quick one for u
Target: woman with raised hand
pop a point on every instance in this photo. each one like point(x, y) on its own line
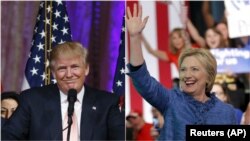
point(190, 104)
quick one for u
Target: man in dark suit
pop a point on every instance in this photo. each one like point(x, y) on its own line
point(42, 110)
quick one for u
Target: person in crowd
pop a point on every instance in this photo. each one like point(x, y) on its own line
point(176, 82)
point(239, 42)
point(215, 16)
point(235, 88)
point(193, 103)
point(246, 116)
point(140, 128)
point(243, 42)
point(223, 29)
point(221, 93)
point(42, 113)
point(129, 131)
point(212, 38)
point(9, 103)
point(213, 12)
point(158, 121)
point(178, 40)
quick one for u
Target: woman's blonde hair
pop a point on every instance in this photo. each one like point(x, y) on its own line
point(206, 59)
point(183, 34)
point(68, 49)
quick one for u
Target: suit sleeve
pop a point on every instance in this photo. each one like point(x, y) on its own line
point(116, 121)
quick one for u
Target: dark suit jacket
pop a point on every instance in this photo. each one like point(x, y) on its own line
point(3, 120)
point(38, 116)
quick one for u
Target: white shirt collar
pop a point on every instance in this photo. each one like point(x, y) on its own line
point(80, 95)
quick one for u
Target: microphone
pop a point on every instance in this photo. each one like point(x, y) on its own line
point(71, 99)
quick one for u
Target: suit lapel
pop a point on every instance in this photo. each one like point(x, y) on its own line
point(88, 114)
point(54, 105)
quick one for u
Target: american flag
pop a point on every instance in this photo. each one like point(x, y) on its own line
point(119, 79)
point(52, 28)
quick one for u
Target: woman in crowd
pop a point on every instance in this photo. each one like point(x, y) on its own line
point(158, 121)
point(178, 40)
point(9, 103)
point(212, 38)
point(220, 92)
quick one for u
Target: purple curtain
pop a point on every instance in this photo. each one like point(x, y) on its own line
point(97, 25)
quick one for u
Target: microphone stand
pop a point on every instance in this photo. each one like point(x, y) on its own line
point(69, 126)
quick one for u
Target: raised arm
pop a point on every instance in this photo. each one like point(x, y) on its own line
point(157, 53)
point(206, 12)
point(190, 27)
point(195, 34)
point(135, 25)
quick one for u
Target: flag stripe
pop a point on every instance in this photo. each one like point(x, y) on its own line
point(150, 33)
point(163, 43)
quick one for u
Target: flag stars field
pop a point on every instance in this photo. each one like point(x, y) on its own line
point(119, 83)
point(35, 30)
point(64, 30)
point(66, 18)
point(44, 76)
point(122, 71)
point(59, 2)
point(54, 26)
point(47, 21)
point(34, 71)
point(53, 38)
point(61, 42)
point(57, 14)
point(41, 5)
point(49, 9)
point(54, 81)
point(37, 59)
point(42, 34)
point(40, 46)
point(38, 17)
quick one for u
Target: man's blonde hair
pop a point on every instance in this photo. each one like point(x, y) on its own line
point(68, 49)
